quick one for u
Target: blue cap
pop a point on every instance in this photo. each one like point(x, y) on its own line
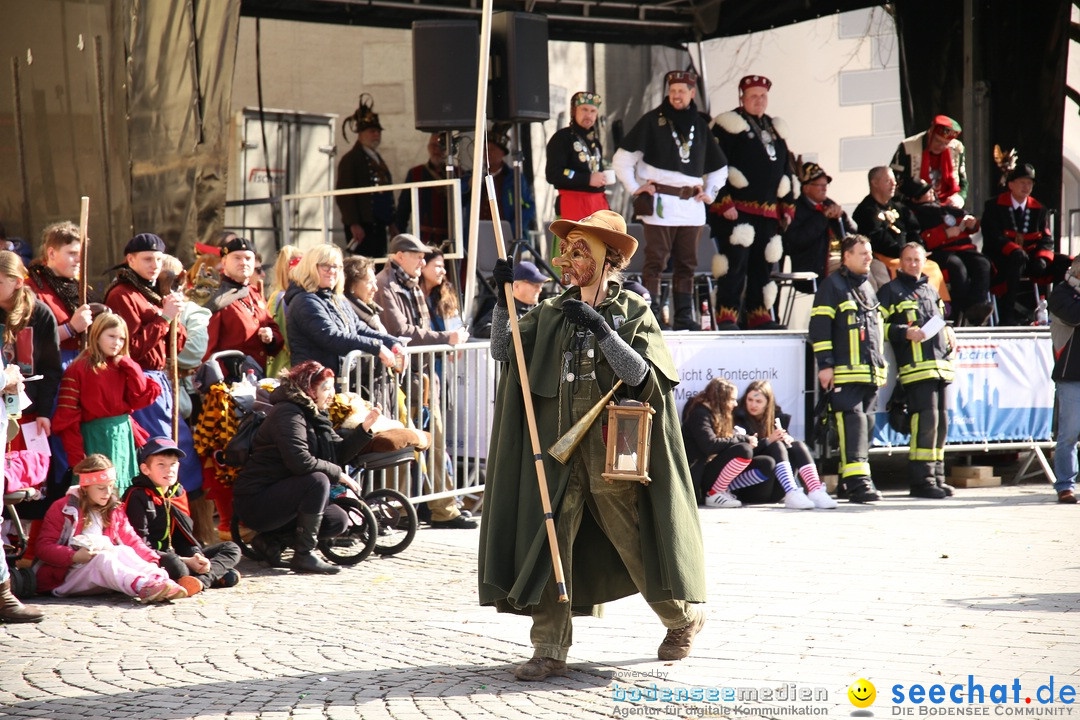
point(157, 446)
point(525, 270)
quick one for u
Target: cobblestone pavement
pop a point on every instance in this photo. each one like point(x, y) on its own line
point(907, 592)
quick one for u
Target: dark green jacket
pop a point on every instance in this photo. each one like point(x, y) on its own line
point(514, 559)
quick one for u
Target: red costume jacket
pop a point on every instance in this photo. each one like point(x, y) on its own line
point(1001, 236)
point(236, 321)
point(934, 219)
point(87, 395)
point(62, 522)
point(58, 307)
point(148, 330)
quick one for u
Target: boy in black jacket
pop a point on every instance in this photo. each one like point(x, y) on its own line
point(157, 508)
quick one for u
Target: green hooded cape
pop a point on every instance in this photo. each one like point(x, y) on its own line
point(514, 559)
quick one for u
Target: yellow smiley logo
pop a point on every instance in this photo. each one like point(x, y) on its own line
point(862, 693)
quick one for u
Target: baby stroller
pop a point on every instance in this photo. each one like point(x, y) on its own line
point(394, 512)
point(227, 383)
point(24, 473)
point(383, 521)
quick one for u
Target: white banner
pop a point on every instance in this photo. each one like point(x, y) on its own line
point(780, 359)
point(1002, 391)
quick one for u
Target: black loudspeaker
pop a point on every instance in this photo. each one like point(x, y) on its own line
point(519, 57)
point(446, 59)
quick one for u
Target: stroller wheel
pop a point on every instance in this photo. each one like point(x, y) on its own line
point(396, 518)
point(261, 547)
point(358, 540)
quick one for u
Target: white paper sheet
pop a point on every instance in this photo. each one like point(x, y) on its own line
point(35, 439)
point(933, 326)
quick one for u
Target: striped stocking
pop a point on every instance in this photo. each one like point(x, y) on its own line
point(729, 473)
point(810, 478)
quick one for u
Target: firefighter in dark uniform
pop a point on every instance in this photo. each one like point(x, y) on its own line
point(847, 336)
point(753, 208)
point(1017, 239)
point(924, 368)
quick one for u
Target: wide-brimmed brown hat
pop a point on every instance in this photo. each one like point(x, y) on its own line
point(607, 226)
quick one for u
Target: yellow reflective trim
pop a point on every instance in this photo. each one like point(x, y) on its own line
point(854, 469)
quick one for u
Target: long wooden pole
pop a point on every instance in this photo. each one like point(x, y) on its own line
point(84, 254)
point(479, 153)
point(174, 378)
point(84, 245)
point(526, 392)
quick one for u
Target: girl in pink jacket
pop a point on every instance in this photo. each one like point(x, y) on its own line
point(87, 546)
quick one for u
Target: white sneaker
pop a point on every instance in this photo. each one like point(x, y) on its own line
point(722, 499)
point(797, 500)
point(821, 499)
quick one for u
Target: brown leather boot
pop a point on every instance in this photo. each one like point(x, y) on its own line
point(13, 611)
point(677, 642)
point(540, 668)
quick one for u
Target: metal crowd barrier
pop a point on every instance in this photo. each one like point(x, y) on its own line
point(449, 391)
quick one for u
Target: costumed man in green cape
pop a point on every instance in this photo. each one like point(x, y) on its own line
point(615, 538)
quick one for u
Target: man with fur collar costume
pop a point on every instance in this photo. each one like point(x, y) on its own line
point(752, 209)
point(1017, 239)
point(615, 538)
point(672, 165)
point(936, 157)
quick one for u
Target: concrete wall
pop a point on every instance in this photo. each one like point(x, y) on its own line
point(317, 68)
point(836, 83)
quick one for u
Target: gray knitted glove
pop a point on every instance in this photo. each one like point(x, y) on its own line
point(624, 360)
point(500, 335)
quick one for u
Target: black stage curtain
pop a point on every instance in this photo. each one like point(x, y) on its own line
point(1020, 62)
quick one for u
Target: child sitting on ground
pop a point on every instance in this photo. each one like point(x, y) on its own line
point(157, 508)
point(87, 546)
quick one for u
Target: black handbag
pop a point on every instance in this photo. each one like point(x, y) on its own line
point(899, 412)
point(823, 431)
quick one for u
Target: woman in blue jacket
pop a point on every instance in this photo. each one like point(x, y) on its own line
point(319, 322)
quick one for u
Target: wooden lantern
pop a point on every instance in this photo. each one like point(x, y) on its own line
point(629, 429)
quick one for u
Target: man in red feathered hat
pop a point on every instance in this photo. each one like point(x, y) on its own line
point(935, 156)
point(1017, 239)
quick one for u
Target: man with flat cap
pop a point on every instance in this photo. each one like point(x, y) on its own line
point(134, 296)
point(752, 210)
point(611, 538)
point(672, 165)
point(368, 218)
point(575, 161)
point(1017, 240)
point(935, 156)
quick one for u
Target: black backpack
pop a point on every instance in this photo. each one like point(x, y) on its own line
point(238, 449)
